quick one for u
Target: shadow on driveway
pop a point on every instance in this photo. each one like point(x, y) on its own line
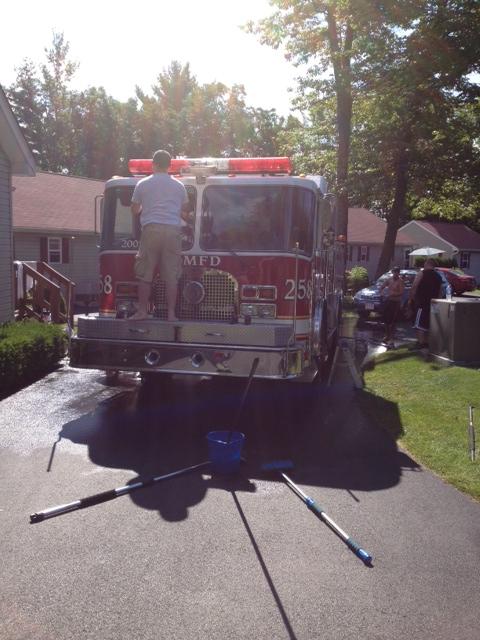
point(156, 430)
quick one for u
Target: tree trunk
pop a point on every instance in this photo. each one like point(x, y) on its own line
point(344, 120)
point(341, 53)
point(396, 212)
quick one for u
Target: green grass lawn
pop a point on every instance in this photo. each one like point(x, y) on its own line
point(425, 406)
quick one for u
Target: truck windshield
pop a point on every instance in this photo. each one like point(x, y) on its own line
point(257, 218)
point(121, 230)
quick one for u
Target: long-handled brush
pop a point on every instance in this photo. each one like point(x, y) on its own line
point(104, 496)
point(236, 421)
point(225, 446)
point(318, 511)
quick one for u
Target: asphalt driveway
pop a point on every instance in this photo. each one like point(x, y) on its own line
point(205, 556)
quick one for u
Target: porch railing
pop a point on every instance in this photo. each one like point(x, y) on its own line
point(41, 291)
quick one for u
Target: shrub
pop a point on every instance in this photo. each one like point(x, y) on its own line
point(441, 262)
point(357, 278)
point(28, 350)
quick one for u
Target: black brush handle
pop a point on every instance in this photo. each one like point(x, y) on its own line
point(244, 397)
point(105, 496)
point(89, 501)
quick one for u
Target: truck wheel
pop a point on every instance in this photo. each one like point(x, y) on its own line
point(153, 380)
point(327, 365)
point(111, 376)
point(324, 361)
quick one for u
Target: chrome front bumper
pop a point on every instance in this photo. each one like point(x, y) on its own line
point(193, 359)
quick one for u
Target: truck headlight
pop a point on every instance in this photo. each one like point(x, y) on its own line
point(125, 308)
point(258, 310)
point(259, 292)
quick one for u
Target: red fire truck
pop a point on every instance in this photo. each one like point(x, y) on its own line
point(263, 269)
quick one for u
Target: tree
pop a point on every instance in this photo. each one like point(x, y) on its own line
point(129, 134)
point(335, 36)
point(430, 82)
point(402, 86)
point(190, 119)
point(164, 115)
point(56, 75)
point(266, 127)
point(90, 133)
point(206, 120)
point(25, 98)
point(237, 127)
point(42, 102)
point(449, 189)
point(96, 125)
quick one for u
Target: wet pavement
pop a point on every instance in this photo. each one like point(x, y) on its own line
point(368, 335)
point(208, 556)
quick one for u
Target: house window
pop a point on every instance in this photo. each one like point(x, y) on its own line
point(363, 253)
point(350, 253)
point(464, 260)
point(406, 258)
point(54, 250)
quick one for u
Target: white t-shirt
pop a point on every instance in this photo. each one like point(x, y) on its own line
point(161, 197)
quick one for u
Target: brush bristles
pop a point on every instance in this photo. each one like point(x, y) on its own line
point(277, 465)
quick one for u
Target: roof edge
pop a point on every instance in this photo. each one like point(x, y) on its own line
point(14, 144)
point(437, 235)
point(69, 175)
point(54, 231)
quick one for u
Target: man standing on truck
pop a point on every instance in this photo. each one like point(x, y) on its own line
point(161, 201)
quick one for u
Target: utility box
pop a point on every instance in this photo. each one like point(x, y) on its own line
point(455, 330)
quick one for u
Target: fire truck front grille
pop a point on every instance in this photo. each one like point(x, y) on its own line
point(219, 303)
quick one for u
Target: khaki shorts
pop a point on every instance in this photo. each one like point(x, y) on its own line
point(159, 244)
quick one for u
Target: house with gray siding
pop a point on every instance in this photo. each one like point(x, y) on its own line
point(15, 159)
point(454, 239)
point(366, 235)
point(54, 222)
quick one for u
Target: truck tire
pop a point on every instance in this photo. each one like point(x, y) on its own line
point(111, 376)
point(155, 380)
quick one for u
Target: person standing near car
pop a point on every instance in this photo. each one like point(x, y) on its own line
point(394, 287)
point(427, 285)
point(161, 201)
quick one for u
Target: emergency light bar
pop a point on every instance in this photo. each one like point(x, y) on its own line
point(221, 165)
point(144, 167)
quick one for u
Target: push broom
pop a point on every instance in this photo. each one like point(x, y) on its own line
point(318, 511)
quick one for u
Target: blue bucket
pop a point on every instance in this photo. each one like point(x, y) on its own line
point(224, 450)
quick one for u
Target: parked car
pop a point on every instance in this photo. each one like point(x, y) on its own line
point(370, 301)
point(460, 282)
